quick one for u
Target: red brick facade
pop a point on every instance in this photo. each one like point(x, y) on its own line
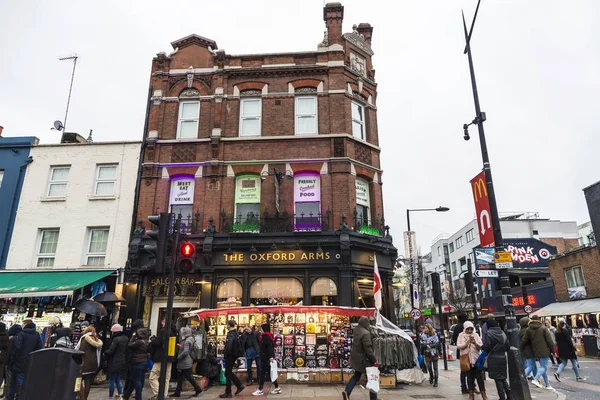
point(589, 260)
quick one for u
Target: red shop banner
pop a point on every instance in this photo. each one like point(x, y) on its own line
point(347, 311)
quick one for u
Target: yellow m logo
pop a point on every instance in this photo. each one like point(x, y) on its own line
point(479, 187)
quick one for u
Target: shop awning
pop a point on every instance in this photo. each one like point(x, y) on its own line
point(570, 308)
point(46, 283)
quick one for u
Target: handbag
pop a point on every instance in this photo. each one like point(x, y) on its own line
point(465, 363)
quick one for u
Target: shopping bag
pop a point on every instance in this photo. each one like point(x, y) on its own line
point(465, 364)
point(421, 360)
point(479, 364)
point(273, 365)
point(373, 379)
point(222, 379)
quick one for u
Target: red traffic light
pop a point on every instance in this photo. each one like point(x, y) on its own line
point(187, 249)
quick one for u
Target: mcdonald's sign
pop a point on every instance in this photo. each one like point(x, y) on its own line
point(482, 209)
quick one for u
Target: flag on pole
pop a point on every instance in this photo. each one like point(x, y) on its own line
point(377, 285)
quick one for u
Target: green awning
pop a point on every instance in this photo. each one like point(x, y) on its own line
point(46, 283)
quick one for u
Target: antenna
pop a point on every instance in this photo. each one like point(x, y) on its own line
point(74, 57)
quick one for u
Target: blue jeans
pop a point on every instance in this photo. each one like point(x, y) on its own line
point(542, 370)
point(353, 381)
point(563, 364)
point(251, 355)
point(114, 379)
point(530, 366)
point(15, 385)
point(136, 373)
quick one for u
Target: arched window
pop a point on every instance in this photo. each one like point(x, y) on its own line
point(271, 291)
point(229, 288)
point(323, 292)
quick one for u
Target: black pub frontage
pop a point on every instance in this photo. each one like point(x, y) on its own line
point(333, 268)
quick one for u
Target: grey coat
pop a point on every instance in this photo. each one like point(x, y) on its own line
point(496, 342)
point(184, 359)
point(362, 355)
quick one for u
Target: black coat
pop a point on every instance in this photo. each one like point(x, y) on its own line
point(209, 367)
point(116, 354)
point(26, 342)
point(249, 340)
point(233, 347)
point(156, 349)
point(3, 343)
point(361, 355)
point(497, 341)
point(566, 349)
point(267, 348)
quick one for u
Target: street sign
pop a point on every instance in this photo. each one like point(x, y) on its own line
point(502, 257)
point(528, 309)
point(415, 314)
point(485, 273)
point(504, 265)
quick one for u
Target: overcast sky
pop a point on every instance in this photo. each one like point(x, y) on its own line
point(536, 61)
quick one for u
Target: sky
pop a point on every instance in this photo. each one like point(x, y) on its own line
point(536, 64)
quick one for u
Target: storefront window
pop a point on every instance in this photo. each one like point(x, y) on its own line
point(323, 292)
point(307, 201)
point(247, 204)
point(273, 291)
point(228, 289)
point(181, 201)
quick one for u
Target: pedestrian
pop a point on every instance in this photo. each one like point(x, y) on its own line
point(138, 362)
point(116, 356)
point(25, 343)
point(251, 346)
point(157, 349)
point(13, 332)
point(496, 345)
point(568, 327)
point(361, 356)
point(566, 351)
point(91, 345)
point(209, 367)
point(3, 354)
point(233, 351)
point(469, 343)
point(541, 343)
point(484, 327)
point(185, 362)
point(527, 350)
point(430, 344)
point(462, 318)
point(552, 330)
point(267, 355)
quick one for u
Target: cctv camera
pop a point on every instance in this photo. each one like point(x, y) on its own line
point(466, 131)
point(262, 179)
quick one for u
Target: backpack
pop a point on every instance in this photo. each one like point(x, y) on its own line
point(239, 349)
point(195, 351)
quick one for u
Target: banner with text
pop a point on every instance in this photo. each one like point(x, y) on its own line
point(482, 209)
point(182, 191)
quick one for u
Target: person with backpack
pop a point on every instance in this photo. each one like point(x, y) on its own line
point(233, 351)
point(116, 356)
point(185, 360)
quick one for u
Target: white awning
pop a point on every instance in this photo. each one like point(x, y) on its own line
point(570, 308)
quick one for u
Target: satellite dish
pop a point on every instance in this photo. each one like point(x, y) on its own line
point(58, 126)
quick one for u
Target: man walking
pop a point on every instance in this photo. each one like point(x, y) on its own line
point(3, 352)
point(361, 356)
point(251, 346)
point(542, 344)
point(233, 350)
point(25, 343)
point(157, 349)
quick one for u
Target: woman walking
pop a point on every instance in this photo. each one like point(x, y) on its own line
point(91, 346)
point(469, 343)
point(566, 351)
point(116, 356)
point(361, 356)
point(496, 345)
point(138, 362)
point(185, 362)
point(267, 354)
point(430, 349)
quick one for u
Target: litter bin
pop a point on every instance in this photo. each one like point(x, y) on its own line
point(590, 345)
point(53, 374)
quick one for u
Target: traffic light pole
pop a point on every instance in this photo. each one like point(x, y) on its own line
point(167, 330)
point(473, 295)
point(518, 381)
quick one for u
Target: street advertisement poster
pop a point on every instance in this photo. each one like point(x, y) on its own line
point(182, 191)
point(247, 190)
point(482, 208)
point(529, 252)
point(362, 192)
point(484, 257)
point(307, 187)
point(576, 293)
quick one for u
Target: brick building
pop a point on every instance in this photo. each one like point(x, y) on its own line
point(273, 161)
point(575, 273)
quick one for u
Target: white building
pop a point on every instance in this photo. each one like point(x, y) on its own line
point(76, 207)
point(586, 234)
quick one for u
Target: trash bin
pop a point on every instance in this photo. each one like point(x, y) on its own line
point(53, 374)
point(590, 345)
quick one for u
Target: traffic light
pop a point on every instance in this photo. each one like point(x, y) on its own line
point(437, 290)
point(187, 258)
point(469, 282)
point(160, 235)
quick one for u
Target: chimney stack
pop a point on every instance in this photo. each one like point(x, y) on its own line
point(366, 30)
point(333, 15)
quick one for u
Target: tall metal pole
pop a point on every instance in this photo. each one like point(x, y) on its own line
point(74, 58)
point(473, 295)
point(412, 280)
point(518, 381)
point(443, 324)
point(167, 330)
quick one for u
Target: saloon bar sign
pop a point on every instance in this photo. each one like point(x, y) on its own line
point(182, 191)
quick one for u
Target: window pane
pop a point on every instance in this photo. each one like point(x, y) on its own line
point(57, 190)
point(307, 124)
point(229, 288)
point(244, 211)
point(578, 276)
point(250, 108)
point(307, 209)
point(267, 291)
point(95, 260)
point(188, 129)
point(49, 241)
point(357, 130)
point(323, 287)
point(189, 110)
point(45, 262)
point(105, 188)
point(251, 127)
point(357, 112)
point(98, 240)
point(362, 214)
point(60, 174)
point(569, 276)
point(107, 172)
point(306, 105)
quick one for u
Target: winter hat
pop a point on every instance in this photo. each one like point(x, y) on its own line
point(266, 327)
point(85, 324)
point(491, 323)
point(116, 328)
point(535, 317)
point(429, 321)
point(467, 325)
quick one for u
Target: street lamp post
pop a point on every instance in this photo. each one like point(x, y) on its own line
point(442, 319)
point(412, 261)
point(518, 381)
